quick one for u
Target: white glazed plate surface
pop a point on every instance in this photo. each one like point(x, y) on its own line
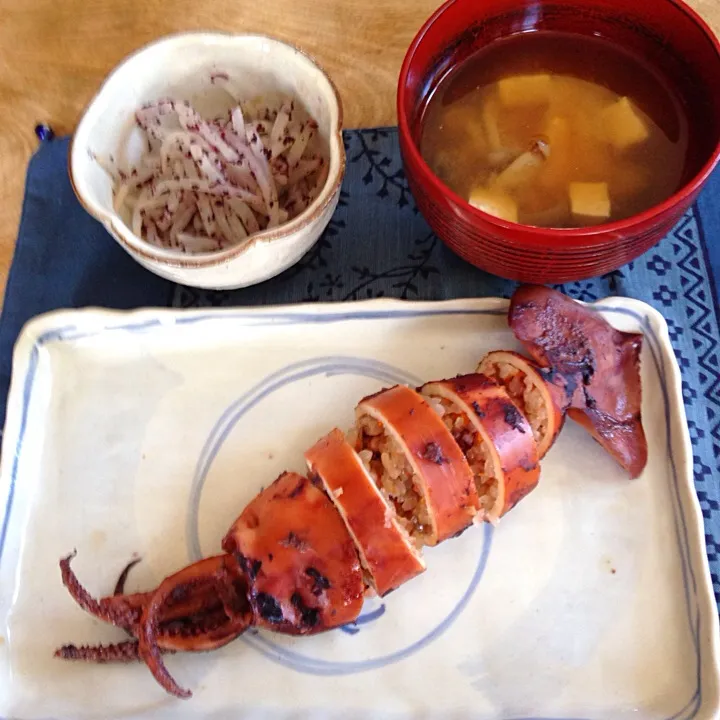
point(149, 432)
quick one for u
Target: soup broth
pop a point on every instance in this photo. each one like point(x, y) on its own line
point(556, 130)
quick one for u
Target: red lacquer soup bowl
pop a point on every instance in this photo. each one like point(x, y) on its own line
point(667, 34)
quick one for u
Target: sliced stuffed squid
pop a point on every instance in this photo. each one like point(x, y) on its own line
point(495, 436)
point(418, 467)
point(536, 398)
point(416, 463)
point(302, 565)
point(386, 550)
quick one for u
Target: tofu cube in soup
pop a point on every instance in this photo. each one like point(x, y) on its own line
point(550, 129)
point(524, 90)
point(590, 200)
point(495, 202)
point(490, 124)
point(623, 127)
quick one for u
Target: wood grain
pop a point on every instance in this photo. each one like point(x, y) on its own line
point(54, 55)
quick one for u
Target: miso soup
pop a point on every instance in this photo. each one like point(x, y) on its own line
point(556, 130)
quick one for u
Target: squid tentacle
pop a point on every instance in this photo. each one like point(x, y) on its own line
point(148, 648)
point(120, 584)
point(230, 617)
point(119, 612)
point(126, 651)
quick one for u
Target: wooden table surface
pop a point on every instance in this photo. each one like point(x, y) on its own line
point(55, 53)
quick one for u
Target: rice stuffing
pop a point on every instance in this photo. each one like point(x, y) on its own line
point(524, 393)
point(473, 447)
point(388, 466)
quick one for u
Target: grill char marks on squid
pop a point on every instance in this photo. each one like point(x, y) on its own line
point(595, 366)
point(540, 401)
point(293, 535)
point(496, 437)
point(386, 550)
point(417, 463)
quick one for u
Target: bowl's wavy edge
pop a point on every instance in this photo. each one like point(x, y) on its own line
point(207, 260)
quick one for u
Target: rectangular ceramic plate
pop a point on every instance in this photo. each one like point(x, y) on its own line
point(149, 432)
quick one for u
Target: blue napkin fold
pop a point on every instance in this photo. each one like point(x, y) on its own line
point(376, 244)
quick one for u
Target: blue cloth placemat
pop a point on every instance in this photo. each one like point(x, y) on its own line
point(376, 244)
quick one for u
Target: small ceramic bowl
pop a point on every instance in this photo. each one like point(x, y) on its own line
point(671, 38)
point(182, 67)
